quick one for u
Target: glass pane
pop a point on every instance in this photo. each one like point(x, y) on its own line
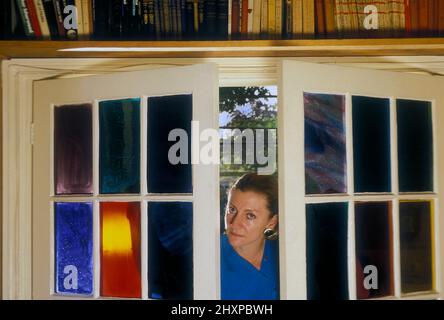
point(374, 255)
point(325, 150)
point(371, 144)
point(120, 249)
point(119, 146)
point(73, 149)
point(73, 227)
point(164, 115)
point(170, 250)
point(416, 235)
point(415, 146)
point(327, 251)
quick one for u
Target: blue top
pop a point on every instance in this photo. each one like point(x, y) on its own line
point(242, 281)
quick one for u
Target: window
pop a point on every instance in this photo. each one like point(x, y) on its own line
point(113, 217)
point(358, 152)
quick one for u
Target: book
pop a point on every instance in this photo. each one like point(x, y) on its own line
point(320, 18)
point(308, 10)
point(189, 16)
point(235, 18)
point(441, 18)
point(330, 18)
point(51, 18)
point(32, 11)
point(279, 8)
point(210, 18)
point(298, 21)
point(264, 18)
point(43, 22)
point(222, 19)
point(256, 24)
point(58, 10)
point(250, 10)
point(244, 18)
point(26, 21)
point(288, 22)
point(271, 17)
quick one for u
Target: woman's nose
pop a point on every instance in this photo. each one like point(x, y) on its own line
point(234, 219)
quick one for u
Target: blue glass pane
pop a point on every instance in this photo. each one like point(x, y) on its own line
point(119, 167)
point(415, 146)
point(164, 115)
point(326, 241)
point(74, 248)
point(371, 144)
point(325, 150)
point(170, 250)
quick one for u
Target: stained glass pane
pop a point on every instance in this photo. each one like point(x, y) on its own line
point(119, 155)
point(416, 235)
point(170, 251)
point(73, 149)
point(374, 256)
point(326, 243)
point(325, 150)
point(415, 146)
point(165, 174)
point(371, 144)
point(120, 262)
point(73, 228)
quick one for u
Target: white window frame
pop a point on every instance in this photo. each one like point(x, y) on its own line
point(17, 85)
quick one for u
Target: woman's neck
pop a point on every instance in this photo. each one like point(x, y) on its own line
point(252, 253)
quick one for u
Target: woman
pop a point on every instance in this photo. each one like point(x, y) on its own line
point(249, 260)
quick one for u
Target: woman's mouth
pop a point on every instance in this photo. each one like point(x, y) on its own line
point(234, 234)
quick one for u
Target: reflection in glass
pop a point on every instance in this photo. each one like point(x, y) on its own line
point(164, 115)
point(325, 150)
point(415, 146)
point(326, 241)
point(120, 250)
point(73, 227)
point(170, 250)
point(373, 233)
point(119, 157)
point(416, 235)
point(73, 149)
point(371, 144)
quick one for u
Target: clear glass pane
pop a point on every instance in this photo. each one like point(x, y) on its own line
point(325, 147)
point(170, 250)
point(73, 149)
point(73, 227)
point(120, 263)
point(119, 157)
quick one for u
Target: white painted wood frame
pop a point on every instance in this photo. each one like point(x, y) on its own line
point(300, 77)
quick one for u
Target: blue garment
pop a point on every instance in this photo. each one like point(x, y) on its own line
point(242, 281)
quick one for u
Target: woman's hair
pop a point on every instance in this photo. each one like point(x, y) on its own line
point(262, 184)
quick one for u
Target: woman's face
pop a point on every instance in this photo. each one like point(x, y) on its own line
point(246, 218)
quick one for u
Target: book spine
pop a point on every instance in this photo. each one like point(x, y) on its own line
point(189, 15)
point(51, 18)
point(250, 10)
point(59, 17)
point(210, 20)
point(423, 19)
point(44, 27)
point(196, 16)
point(297, 18)
point(230, 10)
point(257, 9)
point(201, 9)
point(173, 17)
point(271, 17)
point(85, 16)
point(158, 18)
point(222, 18)
point(309, 17)
point(264, 18)
point(5, 19)
point(235, 18)
point(80, 23)
point(441, 18)
point(320, 18)
point(33, 17)
point(24, 14)
point(330, 17)
point(183, 17)
point(287, 19)
point(279, 18)
point(151, 18)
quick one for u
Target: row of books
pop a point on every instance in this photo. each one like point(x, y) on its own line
point(219, 19)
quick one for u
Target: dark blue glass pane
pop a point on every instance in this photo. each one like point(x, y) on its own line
point(73, 149)
point(327, 276)
point(73, 227)
point(371, 144)
point(325, 150)
point(164, 115)
point(415, 146)
point(119, 146)
point(170, 250)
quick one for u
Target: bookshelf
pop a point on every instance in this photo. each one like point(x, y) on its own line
point(222, 49)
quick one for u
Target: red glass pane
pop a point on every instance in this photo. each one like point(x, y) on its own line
point(120, 249)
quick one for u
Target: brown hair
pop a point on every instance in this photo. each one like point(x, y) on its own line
point(263, 184)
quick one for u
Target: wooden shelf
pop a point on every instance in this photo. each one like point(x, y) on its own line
point(238, 48)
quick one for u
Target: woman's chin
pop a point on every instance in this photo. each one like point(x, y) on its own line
point(235, 241)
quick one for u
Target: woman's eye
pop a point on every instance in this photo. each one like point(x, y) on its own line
point(250, 216)
point(231, 210)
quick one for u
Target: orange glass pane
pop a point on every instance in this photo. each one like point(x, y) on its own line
point(120, 249)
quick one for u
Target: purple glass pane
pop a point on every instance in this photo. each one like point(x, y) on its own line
point(73, 149)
